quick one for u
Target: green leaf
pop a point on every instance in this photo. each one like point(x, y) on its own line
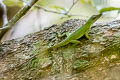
point(82, 1)
point(58, 8)
point(13, 3)
point(44, 2)
point(86, 1)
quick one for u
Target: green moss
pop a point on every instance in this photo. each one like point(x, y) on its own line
point(109, 55)
point(81, 65)
point(13, 3)
point(36, 47)
point(44, 2)
point(34, 63)
point(39, 60)
point(112, 50)
point(68, 53)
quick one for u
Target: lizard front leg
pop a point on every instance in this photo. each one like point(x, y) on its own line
point(64, 34)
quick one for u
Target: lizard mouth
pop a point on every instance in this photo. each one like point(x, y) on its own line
point(95, 17)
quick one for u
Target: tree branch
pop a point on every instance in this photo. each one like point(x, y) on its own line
point(21, 13)
point(74, 2)
point(46, 10)
point(5, 19)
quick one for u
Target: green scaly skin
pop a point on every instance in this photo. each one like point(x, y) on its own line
point(108, 9)
point(84, 29)
point(79, 32)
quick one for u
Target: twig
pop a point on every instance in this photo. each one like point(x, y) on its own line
point(74, 2)
point(5, 19)
point(20, 14)
point(46, 10)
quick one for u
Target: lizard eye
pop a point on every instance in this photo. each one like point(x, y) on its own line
point(94, 16)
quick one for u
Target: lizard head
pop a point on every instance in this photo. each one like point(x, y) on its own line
point(95, 17)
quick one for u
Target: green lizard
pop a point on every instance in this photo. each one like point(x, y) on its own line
point(84, 29)
point(79, 32)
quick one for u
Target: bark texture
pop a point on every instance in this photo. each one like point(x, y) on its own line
point(94, 59)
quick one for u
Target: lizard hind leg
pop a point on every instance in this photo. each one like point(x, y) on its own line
point(86, 35)
point(75, 42)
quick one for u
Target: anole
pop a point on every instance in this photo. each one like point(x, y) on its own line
point(84, 29)
point(79, 32)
